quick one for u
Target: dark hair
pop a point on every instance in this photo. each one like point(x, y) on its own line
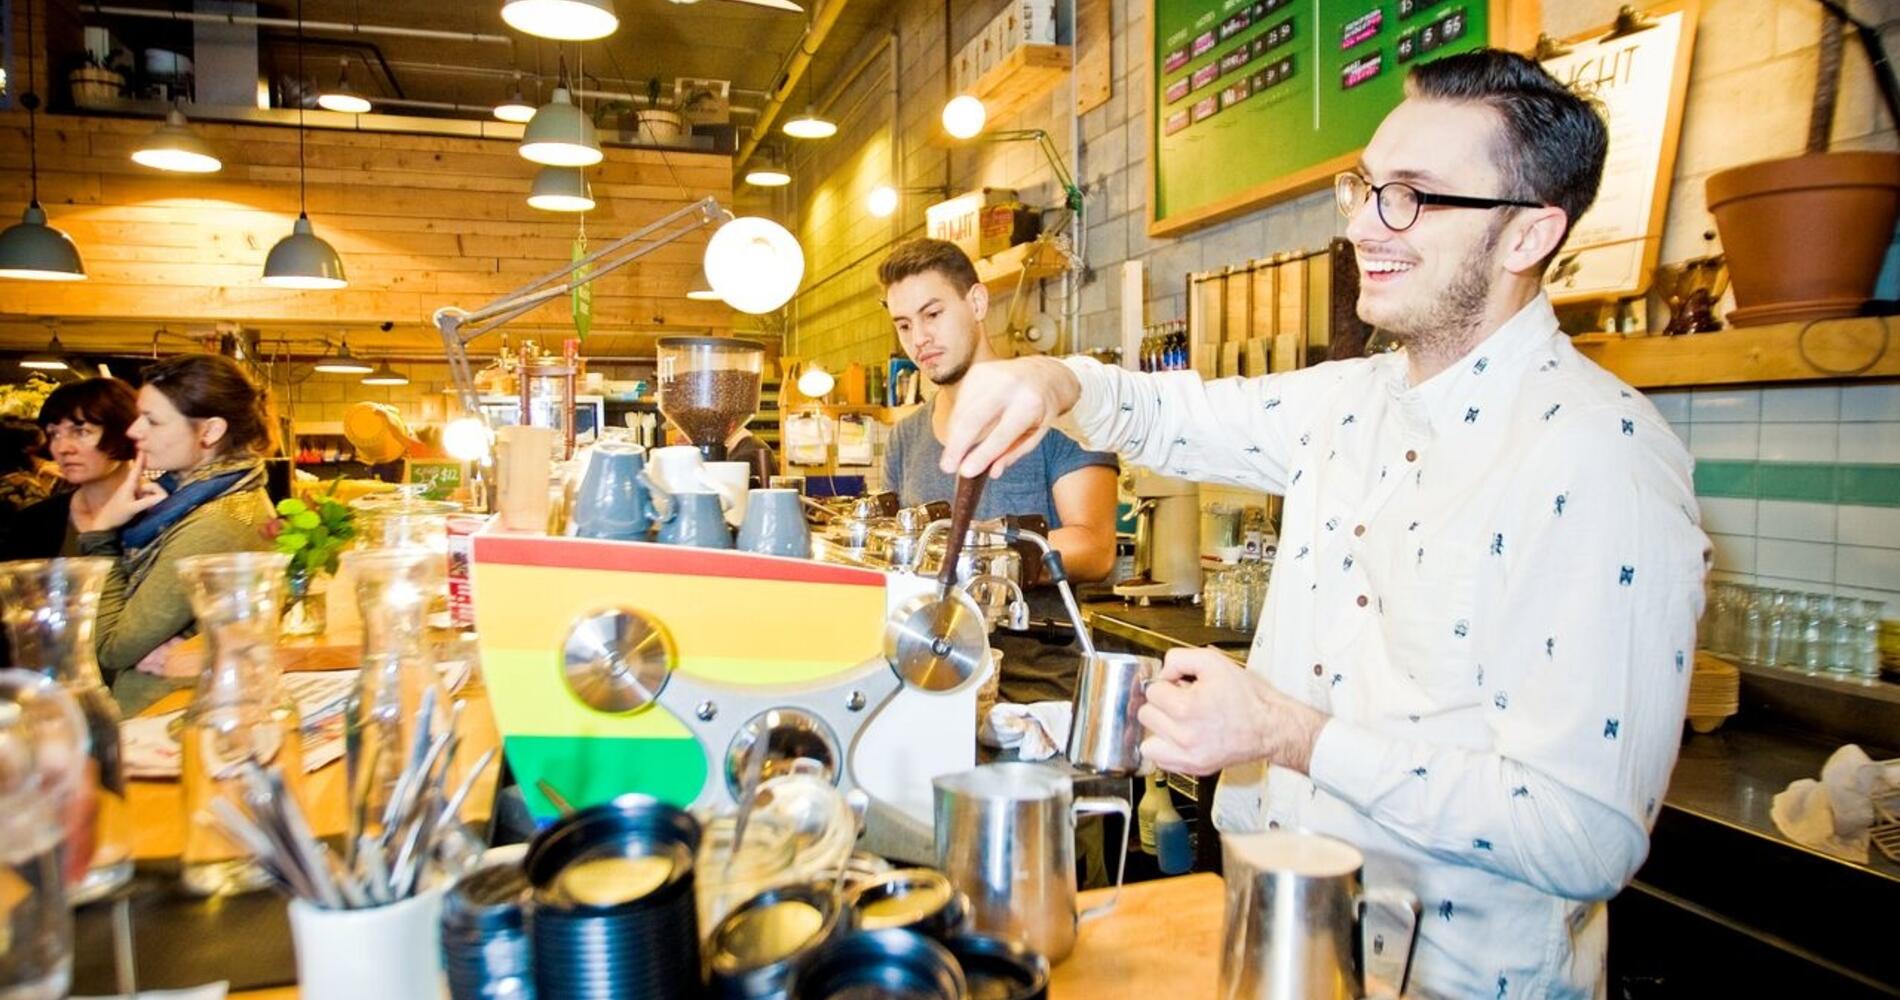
point(106, 402)
point(202, 386)
point(1551, 141)
point(914, 257)
point(20, 441)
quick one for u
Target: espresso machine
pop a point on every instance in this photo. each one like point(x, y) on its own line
point(1167, 539)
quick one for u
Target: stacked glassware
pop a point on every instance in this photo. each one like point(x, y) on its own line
point(1811, 633)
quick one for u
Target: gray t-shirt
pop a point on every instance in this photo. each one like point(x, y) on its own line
point(910, 468)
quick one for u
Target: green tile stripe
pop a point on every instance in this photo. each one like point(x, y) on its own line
point(1810, 482)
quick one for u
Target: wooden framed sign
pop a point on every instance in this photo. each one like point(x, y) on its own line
point(1639, 78)
point(1253, 101)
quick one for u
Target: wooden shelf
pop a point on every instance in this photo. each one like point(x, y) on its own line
point(317, 428)
point(1864, 347)
point(1002, 272)
point(1023, 77)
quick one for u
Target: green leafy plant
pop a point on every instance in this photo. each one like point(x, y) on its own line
point(312, 536)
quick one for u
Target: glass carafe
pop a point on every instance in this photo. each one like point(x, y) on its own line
point(49, 606)
point(43, 766)
point(393, 587)
point(238, 714)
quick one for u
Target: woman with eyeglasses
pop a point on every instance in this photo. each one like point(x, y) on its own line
point(85, 425)
point(202, 422)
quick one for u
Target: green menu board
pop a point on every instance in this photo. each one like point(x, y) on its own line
point(1259, 99)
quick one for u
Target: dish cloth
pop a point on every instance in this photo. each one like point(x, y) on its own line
point(1835, 813)
point(1036, 731)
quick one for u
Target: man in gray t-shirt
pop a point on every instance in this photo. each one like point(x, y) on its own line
point(937, 306)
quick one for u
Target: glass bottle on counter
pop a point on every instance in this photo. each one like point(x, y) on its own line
point(393, 591)
point(49, 607)
point(238, 714)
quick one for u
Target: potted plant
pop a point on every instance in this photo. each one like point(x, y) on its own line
point(313, 537)
point(1806, 235)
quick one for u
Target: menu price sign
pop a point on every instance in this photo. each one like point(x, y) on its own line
point(1258, 100)
point(1638, 80)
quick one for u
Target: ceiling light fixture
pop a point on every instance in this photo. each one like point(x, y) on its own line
point(516, 108)
point(810, 126)
point(33, 250)
point(768, 171)
point(176, 147)
point(964, 116)
point(385, 375)
point(702, 290)
point(343, 362)
point(560, 135)
point(303, 260)
point(561, 189)
point(562, 20)
point(754, 264)
point(881, 202)
point(341, 97)
point(53, 359)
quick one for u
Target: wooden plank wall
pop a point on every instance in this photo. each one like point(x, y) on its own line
point(421, 222)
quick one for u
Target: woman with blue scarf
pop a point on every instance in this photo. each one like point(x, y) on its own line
point(202, 423)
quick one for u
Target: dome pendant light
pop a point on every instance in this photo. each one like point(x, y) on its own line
point(560, 135)
point(768, 171)
point(302, 260)
point(33, 250)
point(341, 98)
point(562, 20)
point(53, 359)
point(385, 375)
point(810, 126)
point(516, 108)
point(344, 363)
point(561, 189)
point(174, 146)
point(702, 290)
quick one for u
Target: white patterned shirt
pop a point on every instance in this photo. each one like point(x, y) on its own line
point(1490, 582)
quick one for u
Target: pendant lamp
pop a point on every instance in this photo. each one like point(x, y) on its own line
point(33, 250)
point(560, 135)
point(53, 359)
point(768, 171)
point(561, 189)
point(303, 259)
point(702, 290)
point(175, 147)
point(341, 97)
point(562, 20)
point(385, 375)
point(516, 108)
point(343, 362)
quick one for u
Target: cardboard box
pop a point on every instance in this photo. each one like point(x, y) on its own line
point(961, 220)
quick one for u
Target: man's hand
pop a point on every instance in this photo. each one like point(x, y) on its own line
point(133, 497)
point(1003, 409)
point(1206, 712)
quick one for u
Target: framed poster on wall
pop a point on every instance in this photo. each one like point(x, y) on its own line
point(1639, 79)
point(1253, 101)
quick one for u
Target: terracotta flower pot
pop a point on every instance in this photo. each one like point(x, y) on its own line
point(1806, 235)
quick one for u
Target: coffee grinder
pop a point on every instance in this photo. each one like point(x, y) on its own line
point(709, 388)
point(1167, 539)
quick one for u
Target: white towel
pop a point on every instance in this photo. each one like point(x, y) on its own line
point(1036, 731)
point(1835, 813)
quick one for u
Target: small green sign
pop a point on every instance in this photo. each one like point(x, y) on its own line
point(583, 293)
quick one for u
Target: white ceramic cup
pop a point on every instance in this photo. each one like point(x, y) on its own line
point(389, 952)
point(736, 480)
point(680, 468)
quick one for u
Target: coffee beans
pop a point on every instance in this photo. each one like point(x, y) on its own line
point(709, 404)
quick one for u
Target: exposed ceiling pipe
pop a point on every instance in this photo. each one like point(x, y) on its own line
point(822, 23)
point(450, 69)
point(331, 27)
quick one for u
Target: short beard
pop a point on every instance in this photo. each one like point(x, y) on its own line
point(955, 375)
point(1455, 315)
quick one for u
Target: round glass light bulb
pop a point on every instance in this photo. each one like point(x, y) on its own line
point(964, 116)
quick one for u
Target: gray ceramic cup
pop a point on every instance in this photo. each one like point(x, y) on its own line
point(696, 519)
point(775, 524)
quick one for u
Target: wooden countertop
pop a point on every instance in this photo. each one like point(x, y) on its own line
point(1161, 940)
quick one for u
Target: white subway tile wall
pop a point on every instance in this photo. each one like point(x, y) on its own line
point(1789, 442)
point(1802, 522)
point(1843, 549)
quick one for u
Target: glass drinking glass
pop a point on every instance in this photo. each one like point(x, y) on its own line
point(1866, 655)
point(43, 784)
point(1776, 628)
point(1816, 630)
point(1753, 646)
